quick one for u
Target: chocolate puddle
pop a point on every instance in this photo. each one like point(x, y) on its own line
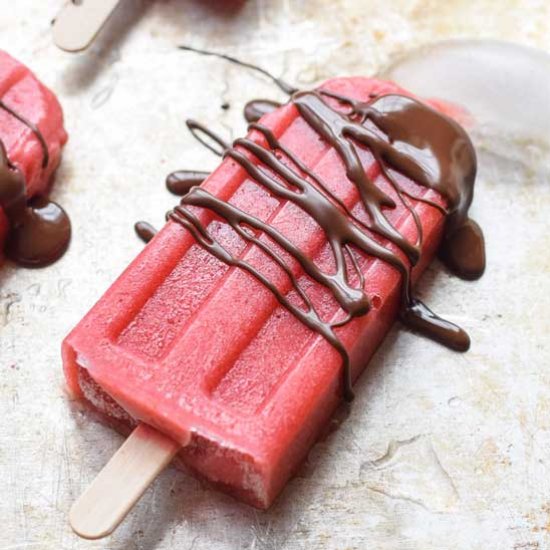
point(34, 128)
point(463, 250)
point(39, 229)
point(41, 236)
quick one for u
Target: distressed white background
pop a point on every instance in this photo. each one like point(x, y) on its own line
point(440, 451)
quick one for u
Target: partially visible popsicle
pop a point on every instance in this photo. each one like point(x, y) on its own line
point(239, 328)
point(78, 23)
point(31, 138)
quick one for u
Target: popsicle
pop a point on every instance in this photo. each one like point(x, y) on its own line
point(243, 323)
point(31, 138)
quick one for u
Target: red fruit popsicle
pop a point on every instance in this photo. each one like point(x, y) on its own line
point(239, 328)
point(31, 138)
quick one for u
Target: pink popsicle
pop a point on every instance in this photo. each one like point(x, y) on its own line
point(23, 94)
point(205, 353)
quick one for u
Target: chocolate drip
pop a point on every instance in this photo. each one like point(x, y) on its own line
point(13, 199)
point(145, 231)
point(39, 230)
point(257, 108)
point(421, 318)
point(284, 86)
point(181, 181)
point(338, 131)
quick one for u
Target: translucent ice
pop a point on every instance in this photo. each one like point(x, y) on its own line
point(506, 87)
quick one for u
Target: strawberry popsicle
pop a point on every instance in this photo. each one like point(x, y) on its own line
point(240, 327)
point(31, 138)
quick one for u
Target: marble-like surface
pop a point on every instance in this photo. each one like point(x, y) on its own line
point(440, 451)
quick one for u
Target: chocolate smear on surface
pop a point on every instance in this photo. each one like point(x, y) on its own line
point(39, 230)
point(281, 84)
point(406, 137)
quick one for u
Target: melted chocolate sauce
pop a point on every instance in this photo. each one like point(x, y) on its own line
point(206, 136)
point(405, 136)
point(257, 108)
point(145, 231)
point(41, 235)
point(34, 128)
point(463, 250)
point(39, 230)
point(181, 181)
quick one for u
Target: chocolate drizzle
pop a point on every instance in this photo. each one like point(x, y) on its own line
point(206, 136)
point(284, 86)
point(34, 128)
point(145, 231)
point(257, 108)
point(405, 137)
point(39, 229)
point(180, 182)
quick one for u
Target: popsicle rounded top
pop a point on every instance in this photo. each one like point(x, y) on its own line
point(31, 138)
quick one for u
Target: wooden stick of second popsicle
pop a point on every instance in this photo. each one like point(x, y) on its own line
point(113, 493)
point(79, 22)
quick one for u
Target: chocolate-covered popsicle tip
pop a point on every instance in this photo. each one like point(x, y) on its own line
point(145, 231)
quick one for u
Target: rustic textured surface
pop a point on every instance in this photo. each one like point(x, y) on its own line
point(440, 451)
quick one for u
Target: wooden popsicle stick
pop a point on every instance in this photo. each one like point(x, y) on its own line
point(113, 493)
point(79, 22)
